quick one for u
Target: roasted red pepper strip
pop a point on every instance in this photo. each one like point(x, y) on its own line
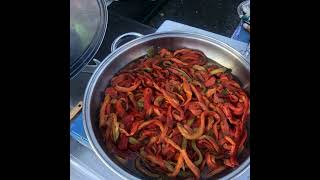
point(210, 161)
point(123, 142)
point(169, 118)
point(245, 99)
point(163, 134)
point(172, 101)
point(180, 73)
point(173, 144)
point(147, 93)
point(177, 61)
point(187, 90)
point(154, 159)
point(224, 124)
point(199, 97)
point(102, 119)
point(133, 100)
point(165, 53)
point(149, 133)
point(197, 133)
point(195, 108)
point(236, 110)
point(134, 128)
point(181, 51)
point(178, 166)
point(166, 95)
point(190, 164)
point(212, 142)
point(243, 140)
point(153, 121)
point(127, 121)
point(233, 98)
point(111, 92)
point(120, 110)
point(129, 89)
point(215, 129)
point(210, 82)
point(226, 111)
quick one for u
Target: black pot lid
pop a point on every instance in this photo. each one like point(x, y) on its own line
point(88, 24)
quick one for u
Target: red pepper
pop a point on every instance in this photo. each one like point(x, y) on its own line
point(108, 109)
point(178, 166)
point(190, 164)
point(203, 143)
point(243, 139)
point(245, 99)
point(160, 75)
point(112, 92)
point(202, 165)
point(129, 89)
point(187, 90)
point(134, 128)
point(165, 53)
point(196, 134)
point(181, 51)
point(149, 133)
point(172, 101)
point(212, 142)
point(233, 98)
point(224, 124)
point(210, 161)
point(199, 76)
point(120, 78)
point(177, 61)
point(236, 110)
point(102, 118)
point(154, 159)
point(210, 92)
point(199, 97)
point(154, 121)
point(127, 122)
point(120, 110)
point(217, 121)
point(226, 111)
point(169, 118)
point(210, 82)
point(195, 108)
point(123, 142)
point(133, 100)
point(147, 93)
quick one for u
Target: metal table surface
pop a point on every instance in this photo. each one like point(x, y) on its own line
point(84, 164)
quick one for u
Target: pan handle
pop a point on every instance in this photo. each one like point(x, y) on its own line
point(91, 68)
point(116, 42)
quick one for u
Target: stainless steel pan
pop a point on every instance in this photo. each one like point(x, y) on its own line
point(132, 50)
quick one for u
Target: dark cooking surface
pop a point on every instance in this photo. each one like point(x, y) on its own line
point(118, 25)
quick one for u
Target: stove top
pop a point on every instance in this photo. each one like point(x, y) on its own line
point(83, 162)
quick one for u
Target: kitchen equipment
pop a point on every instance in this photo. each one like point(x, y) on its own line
point(75, 110)
point(88, 24)
point(244, 13)
point(214, 49)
